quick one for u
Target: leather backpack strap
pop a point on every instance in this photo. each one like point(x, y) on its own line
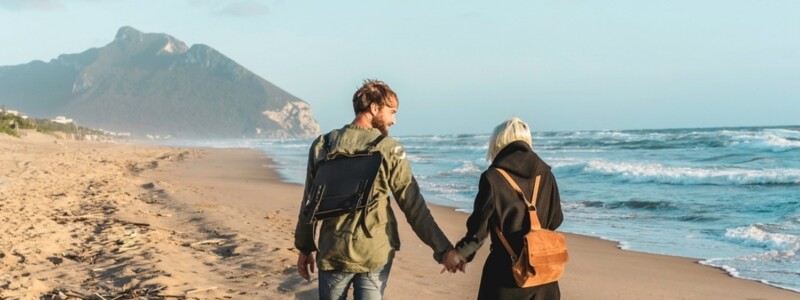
point(505, 243)
point(535, 224)
point(514, 185)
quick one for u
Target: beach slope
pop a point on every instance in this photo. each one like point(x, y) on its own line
point(96, 220)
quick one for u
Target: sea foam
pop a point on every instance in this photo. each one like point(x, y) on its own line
point(762, 235)
point(658, 173)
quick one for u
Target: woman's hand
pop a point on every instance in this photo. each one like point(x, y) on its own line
point(453, 262)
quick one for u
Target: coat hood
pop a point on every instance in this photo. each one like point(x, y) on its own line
point(519, 159)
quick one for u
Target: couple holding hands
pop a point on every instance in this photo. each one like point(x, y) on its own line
point(357, 249)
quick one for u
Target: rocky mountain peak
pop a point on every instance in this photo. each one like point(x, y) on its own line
point(127, 34)
point(134, 42)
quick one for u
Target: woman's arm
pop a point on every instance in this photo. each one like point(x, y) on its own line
point(556, 215)
point(478, 222)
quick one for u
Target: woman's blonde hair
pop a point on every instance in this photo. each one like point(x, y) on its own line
point(509, 131)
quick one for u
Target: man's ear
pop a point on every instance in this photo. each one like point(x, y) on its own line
point(374, 108)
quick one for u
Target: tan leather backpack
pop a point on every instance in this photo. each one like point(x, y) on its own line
point(544, 252)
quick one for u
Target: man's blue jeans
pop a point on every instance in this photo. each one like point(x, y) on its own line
point(335, 285)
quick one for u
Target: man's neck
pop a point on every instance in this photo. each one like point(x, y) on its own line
point(362, 121)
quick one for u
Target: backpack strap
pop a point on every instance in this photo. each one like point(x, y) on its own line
point(326, 143)
point(363, 221)
point(535, 224)
point(505, 244)
point(372, 145)
point(516, 187)
point(326, 140)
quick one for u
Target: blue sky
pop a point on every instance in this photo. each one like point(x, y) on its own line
point(464, 66)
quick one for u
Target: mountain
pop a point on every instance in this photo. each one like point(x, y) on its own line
point(147, 83)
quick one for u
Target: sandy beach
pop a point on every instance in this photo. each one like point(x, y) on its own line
point(87, 220)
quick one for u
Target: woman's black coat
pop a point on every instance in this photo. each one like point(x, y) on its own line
point(497, 204)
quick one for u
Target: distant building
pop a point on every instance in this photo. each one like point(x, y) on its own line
point(62, 120)
point(158, 137)
point(12, 112)
point(111, 133)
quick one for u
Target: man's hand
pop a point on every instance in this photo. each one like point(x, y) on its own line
point(303, 264)
point(453, 262)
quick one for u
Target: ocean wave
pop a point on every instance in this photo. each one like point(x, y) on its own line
point(449, 138)
point(641, 204)
point(737, 159)
point(759, 139)
point(777, 265)
point(608, 134)
point(785, 131)
point(758, 158)
point(764, 268)
point(657, 173)
point(566, 163)
point(698, 218)
point(765, 236)
point(467, 167)
point(567, 167)
point(722, 157)
point(445, 148)
point(767, 141)
point(422, 159)
point(648, 142)
point(592, 203)
point(630, 204)
point(463, 191)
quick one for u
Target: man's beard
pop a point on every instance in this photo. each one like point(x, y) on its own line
point(380, 125)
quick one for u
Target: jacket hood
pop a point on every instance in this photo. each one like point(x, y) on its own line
point(519, 159)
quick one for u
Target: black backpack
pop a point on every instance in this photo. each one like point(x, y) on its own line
point(343, 184)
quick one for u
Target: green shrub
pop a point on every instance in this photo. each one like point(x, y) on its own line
point(7, 130)
point(41, 125)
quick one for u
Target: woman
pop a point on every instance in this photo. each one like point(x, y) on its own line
point(497, 204)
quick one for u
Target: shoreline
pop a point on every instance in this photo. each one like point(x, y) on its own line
point(570, 235)
point(454, 212)
point(128, 219)
point(617, 245)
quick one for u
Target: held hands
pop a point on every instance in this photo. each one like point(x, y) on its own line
point(303, 264)
point(453, 262)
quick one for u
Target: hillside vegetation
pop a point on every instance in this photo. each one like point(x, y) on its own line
point(10, 124)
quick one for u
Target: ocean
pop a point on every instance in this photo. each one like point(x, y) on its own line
point(729, 197)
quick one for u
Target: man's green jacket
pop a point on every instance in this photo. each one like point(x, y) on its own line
point(343, 245)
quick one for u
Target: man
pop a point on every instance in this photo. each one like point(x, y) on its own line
point(348, 255)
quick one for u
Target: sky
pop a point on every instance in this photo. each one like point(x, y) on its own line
point(465, 66)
